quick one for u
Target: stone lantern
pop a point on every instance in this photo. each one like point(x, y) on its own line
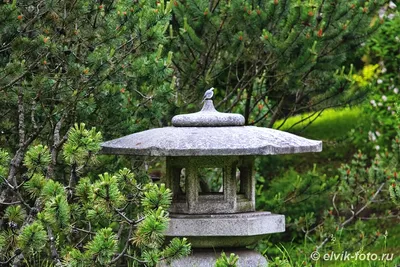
point(210, 170)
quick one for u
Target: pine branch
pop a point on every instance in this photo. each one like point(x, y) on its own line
point(354, 215)
point(10, 203)
point(73, 178)
point(135, 259)
point(5, 263)
point(54, 253)
point(13, 81)
point(83, 230)
point(89, 232)
point(214, 43)
point(276, 113)
point(125, 247)
point(21, 118)
point(57, 143)
point(131, 222)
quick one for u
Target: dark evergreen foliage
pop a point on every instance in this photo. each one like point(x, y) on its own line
point(269, 59)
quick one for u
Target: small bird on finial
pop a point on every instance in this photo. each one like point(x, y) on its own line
point(208, 94)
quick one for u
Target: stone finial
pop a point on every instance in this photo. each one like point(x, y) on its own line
point(208, 117)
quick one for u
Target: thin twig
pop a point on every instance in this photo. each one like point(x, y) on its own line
point(350, 219)
point(84, 231)
point(10, 203)
point(123, 216)
point(133, 258)
point(125, 248)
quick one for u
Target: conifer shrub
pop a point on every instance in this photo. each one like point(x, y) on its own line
point(63, 63)
point(83, 220)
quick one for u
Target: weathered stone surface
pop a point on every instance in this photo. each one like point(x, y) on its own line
point(195, 201)
point(208, 117)
point(225, 230)
point(223, 135)
point(213, 134)
point(208, 141)
point(207, 258)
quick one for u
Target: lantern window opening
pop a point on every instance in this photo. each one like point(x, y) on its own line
point(211, 181)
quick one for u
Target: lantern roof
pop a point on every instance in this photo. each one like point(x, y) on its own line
point(210, 133)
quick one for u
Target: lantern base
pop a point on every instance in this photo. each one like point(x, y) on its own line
point(225, 230)
point(208, 257)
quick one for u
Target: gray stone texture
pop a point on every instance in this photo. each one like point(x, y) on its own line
point(225, 230)
point(217, 220)
point(208, 117)
point(217, 139)
point(208, 141)
point(207, 258)
point(231, 200)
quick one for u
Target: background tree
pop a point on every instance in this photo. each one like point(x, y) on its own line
point(269, 59)
point(354, 207)
point(63, 62)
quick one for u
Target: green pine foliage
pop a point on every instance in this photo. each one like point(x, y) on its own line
point(32, 238)
point(101, 220)
point(35, 185)
point(56, 213)
point(176, 248)
point(225, 261)
point(269, 59)
point(106, 192)
point(81, 143)
point(150, 230)
point(156, 197)
point(103, 246)
point(4, 161)
point(15, 214)
point(61, 64)
point(52, 189)
point(36, 157)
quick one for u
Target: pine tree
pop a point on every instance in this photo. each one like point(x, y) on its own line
point(97, 62)
point(107, 220)
point(63, 63)
point(269, 59)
